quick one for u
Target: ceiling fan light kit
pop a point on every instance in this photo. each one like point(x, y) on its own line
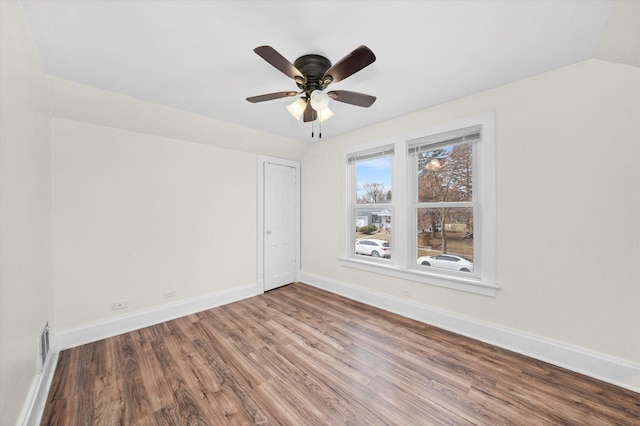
point(312, 74)
point(319, 100)
point(297, 108)
point(324, 114)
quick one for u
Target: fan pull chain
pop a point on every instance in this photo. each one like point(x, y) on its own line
point(319, 130)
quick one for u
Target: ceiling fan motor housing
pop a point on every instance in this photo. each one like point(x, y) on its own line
point(312, 68)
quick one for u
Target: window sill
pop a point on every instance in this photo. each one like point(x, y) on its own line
point(470, 285)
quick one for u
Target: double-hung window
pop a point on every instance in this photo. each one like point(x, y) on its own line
point(438, 186)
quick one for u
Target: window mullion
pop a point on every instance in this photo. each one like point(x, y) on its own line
point(374, 206)
point(446, 204)
point(399, 235)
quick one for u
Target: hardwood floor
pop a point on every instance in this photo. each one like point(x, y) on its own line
point(301, 356)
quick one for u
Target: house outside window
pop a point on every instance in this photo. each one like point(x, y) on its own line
point(438, 186)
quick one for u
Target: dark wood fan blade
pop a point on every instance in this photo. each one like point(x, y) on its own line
point(351, 64)
point(271, 96)
point(310, 114)
point(353, 98)
point(272, 56)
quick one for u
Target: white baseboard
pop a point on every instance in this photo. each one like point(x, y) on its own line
point(39, 391)
point(599, 366)
point(98, 330)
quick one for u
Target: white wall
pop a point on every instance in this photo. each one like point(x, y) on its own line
point(136, 215)
point(568, 209)
point(25, 210)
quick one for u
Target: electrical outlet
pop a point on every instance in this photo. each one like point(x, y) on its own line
point(123, 304)
point(169, 293)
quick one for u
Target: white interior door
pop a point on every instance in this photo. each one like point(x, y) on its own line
point(279, 225)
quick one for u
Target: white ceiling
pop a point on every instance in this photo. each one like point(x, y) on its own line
point(198, 55)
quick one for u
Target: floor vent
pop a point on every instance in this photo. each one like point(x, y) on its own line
point(44, 345)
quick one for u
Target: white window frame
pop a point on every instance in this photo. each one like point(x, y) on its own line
point(377, 152)
point(403, 239)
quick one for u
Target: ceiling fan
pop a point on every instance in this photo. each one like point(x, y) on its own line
point(312, 74)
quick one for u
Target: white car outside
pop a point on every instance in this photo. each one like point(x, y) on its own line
point(447, 261)
point(373, 247)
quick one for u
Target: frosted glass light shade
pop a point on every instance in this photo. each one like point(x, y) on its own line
point(324, 114)
point(297, 108)
point(319, 100)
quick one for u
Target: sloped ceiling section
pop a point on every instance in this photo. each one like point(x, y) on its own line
point(197, 56)
point(621, 39)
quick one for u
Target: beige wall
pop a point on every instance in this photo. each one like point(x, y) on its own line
point(568, 208)
point(136, 215)
point(25, 210)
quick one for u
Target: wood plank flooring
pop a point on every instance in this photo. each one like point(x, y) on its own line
point(301, 356)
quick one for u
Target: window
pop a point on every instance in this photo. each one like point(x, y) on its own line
point(370, 203)
point(438, 185)
point(443, 202)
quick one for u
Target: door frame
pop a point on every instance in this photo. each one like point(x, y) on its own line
point(262, 160)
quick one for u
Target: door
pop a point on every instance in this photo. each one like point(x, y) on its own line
point(280, 184)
